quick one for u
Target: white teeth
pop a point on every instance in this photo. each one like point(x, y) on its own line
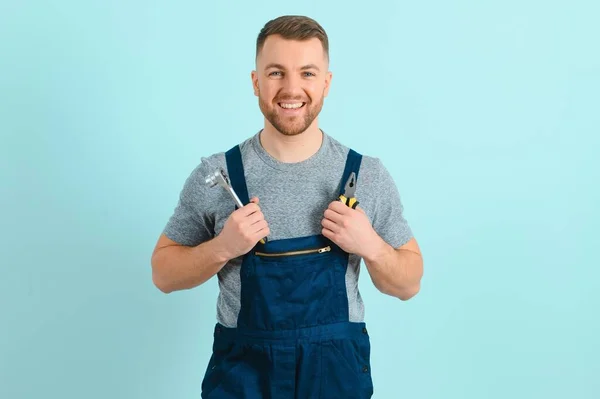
point(291, 106)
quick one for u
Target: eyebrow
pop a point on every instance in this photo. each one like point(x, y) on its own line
point(279, 66)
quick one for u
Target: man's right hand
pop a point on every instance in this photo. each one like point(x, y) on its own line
point(243, 229)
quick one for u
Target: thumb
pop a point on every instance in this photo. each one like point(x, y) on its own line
point(254, 199)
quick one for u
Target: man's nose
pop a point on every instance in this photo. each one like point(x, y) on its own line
point(292, 85)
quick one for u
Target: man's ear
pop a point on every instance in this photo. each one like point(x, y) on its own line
point(254, 77)
point(328, 78)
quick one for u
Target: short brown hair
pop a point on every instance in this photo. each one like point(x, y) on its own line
point(293, 27)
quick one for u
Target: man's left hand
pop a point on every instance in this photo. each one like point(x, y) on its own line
point(350, 229)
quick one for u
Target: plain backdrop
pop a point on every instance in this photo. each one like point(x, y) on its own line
point(487, 115)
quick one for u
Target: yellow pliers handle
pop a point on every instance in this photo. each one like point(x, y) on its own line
point(351, 202)
point(349, 189)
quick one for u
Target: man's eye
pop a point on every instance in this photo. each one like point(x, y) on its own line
point(274, 73)
point(309, 74)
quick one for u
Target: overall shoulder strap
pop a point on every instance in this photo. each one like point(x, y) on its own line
point(353, 162)
point(235, 170)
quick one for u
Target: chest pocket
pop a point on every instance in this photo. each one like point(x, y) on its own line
point(300, 286)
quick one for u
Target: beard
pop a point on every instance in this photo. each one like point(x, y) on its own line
point(290, 126)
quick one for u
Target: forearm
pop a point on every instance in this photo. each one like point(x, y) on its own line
point(177, 267)
point(395, 272)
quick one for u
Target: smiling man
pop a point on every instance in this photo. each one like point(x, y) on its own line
point(290, 318)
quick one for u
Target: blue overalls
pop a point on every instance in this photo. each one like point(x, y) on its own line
point(293, 337)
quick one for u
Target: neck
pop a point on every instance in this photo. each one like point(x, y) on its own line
point(291, 149)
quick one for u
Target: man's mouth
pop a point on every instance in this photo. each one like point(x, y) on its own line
point(292, 105)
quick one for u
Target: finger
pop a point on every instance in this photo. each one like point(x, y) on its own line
point(333, 215)
point(328, 233)
point(331, 226)
point(261, 229)
point(339, 207)
point(255, 218)
point(248, 209)
point(254, 200)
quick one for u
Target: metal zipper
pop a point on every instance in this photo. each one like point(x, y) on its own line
point(291, 253)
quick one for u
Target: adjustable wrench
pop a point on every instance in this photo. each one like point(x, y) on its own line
point(220, 178)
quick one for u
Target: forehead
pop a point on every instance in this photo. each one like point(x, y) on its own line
point(291, 53)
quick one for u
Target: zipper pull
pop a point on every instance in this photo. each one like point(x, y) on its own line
point(326, 249)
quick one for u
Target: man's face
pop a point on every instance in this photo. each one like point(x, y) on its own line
point(291, 81)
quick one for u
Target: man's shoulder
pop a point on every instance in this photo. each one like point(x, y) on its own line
point(217, 160)
point(370, 164)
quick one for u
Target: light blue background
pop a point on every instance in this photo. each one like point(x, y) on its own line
point(486, 113)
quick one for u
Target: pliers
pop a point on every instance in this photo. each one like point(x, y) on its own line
point(349, 190)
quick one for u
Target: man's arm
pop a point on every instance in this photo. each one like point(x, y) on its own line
point(396, 271)
point(178, 267)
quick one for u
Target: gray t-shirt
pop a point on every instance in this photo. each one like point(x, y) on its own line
point(293, 198)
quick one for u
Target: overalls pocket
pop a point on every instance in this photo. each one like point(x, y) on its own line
point(226, 358)
point(293, 289)
point(346, 368)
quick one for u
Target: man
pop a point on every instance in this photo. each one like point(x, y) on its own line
point(290, 319)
